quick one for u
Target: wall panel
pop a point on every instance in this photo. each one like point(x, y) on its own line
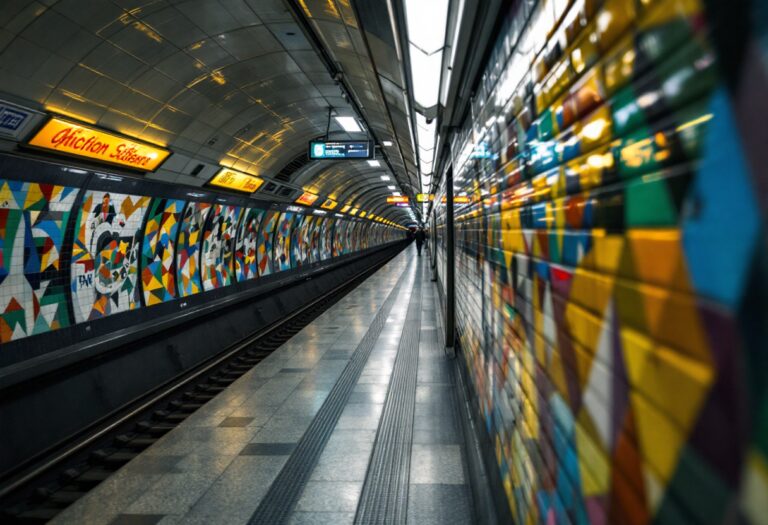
point(33, 280)
point(105, 255)
point(188, 257)
point(246, 244)
point(608, 303)
point(218, 246)
point(158, 270)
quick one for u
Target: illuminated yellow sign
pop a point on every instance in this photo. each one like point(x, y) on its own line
point(354, 211)
point(362, 215)
point(394, 199)
point(236, 181)
point(329, 204)
point(458, 199)
point(307, 199)
point(346, 208)
point(425, 197)
point(63, 136)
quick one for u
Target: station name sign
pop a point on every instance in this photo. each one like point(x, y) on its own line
point(236, 181)
point(341, 149)
point(397, 200)
point(63, 136)
point(458, 199)
point(307, 198)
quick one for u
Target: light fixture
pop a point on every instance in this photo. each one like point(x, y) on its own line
point(374, 163)
point(386, 143)
point(425, 72)
point(385, 177)
point(349, 124)
point(319, 212)
point(396, 194)
point(391, 187)
point(426, 22)
point(454, 46)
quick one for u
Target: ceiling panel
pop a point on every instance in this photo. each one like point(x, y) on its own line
point(233, 82)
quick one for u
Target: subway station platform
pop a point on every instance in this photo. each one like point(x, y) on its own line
point(354, 420)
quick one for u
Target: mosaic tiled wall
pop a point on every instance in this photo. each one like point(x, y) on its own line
point(326, 241)
point(282, 255)
point(105, 255)
point(218, 246)
point(611, 268)
point(246, 244)
point(299, 250)
point(33, 280)
point(188, 257)
point(128, 249)
point(157, 252)
point(316, 239)
point(264, 252)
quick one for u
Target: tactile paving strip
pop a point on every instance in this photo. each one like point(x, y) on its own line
point(282, 496)
point(385, 492)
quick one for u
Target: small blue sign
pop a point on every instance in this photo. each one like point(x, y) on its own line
point(11, 119)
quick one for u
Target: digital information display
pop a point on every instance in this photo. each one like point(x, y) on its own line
point(340, 149)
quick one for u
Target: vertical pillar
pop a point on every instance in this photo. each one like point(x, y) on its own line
point(450, 270)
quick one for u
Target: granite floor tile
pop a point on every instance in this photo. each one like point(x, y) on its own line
point(111, 498)
point(436, 464)
point(146, 464)
point(342, 466)
point(350, 441)
point(137, 519)
point(367, 397)
point(236, 422)
point(237, 492)
point(268, 449)
point(434, 504)
point(329, 496)
point(322, 518)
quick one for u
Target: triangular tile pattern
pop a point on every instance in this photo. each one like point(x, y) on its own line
point(617, 248)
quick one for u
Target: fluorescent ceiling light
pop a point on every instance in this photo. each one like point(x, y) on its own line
point(374, 163)
point(396, 194)
point(387, 143)
point(426, 21)
point(457, 28)
point(349, 124)
point(391, 187)
point(385, 177)
point(425, 72)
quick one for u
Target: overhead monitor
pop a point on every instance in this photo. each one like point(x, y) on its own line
point(340, 149)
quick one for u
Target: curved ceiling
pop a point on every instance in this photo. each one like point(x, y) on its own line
point(243, 84)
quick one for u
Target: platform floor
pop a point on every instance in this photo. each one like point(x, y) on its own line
point(354, 420)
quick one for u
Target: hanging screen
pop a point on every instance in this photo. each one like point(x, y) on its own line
point(341, 149)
